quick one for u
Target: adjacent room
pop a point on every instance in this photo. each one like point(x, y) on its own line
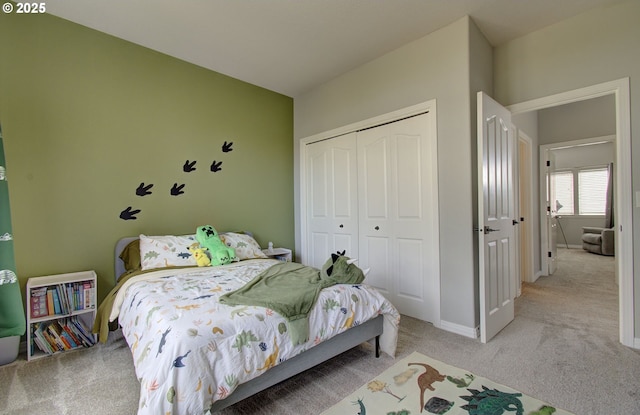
point(319, 207)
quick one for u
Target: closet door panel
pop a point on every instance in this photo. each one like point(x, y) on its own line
point(345, 195)
point(373, 152)
point(318, 205)
point(410, 290)
point(408, 177)
point(332, 220)
point(375, 253)
point(319, 245)
point(343, 181)
point(397, 188)
point(373, 196)
point(346, 243)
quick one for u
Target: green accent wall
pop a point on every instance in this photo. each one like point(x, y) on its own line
point(88, 117)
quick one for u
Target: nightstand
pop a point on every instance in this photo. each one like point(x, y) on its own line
point(281, 254)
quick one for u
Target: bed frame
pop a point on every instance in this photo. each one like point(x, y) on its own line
point(370, 330)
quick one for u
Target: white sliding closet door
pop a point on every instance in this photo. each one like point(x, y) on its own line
point(397, 197)
point(332, 216)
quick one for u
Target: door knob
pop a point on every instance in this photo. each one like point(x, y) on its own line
point(488, 229)
point(515, 222)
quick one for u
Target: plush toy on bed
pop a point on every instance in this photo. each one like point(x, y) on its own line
point(200, 254)
point(343, 268)
point(208, 238)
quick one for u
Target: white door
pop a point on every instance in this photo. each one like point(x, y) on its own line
point(524, 207)
point(332, 198)
point(496, 215)
point(397, 185)
point(552, 214)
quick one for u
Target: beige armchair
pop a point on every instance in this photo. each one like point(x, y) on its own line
point(598, 240)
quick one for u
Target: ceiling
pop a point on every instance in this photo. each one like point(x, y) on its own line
point(291, 46)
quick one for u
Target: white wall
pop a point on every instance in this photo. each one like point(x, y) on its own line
point(434, 67)
point(584, 119)
point(592, 48)
point(575, 157)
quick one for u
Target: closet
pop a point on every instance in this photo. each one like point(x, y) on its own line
point(372, 192)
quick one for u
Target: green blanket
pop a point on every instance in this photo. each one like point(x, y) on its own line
point(290, 289)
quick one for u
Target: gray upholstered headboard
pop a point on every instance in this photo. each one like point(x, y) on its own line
point(119, 264)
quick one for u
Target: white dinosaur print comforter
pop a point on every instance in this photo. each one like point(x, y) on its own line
point(190, 351)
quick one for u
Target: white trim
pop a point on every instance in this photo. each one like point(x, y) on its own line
point(582, 142)
point(623, 209)
point(536, 276)
point(471, 332)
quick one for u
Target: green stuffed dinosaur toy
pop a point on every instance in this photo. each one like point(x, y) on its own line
point(209, 239)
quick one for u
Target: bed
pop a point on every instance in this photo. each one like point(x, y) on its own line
point(194, 355)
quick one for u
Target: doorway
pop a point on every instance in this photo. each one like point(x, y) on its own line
point(624, 242)
point(526, 196)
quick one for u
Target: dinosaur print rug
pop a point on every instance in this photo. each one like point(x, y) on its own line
point(418, 384)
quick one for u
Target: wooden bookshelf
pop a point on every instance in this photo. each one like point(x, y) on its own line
point(61, 310)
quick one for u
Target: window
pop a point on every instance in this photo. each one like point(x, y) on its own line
point(564, 192)
point(592, 191)
point(580, 190)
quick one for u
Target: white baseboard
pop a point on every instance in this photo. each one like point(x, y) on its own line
point(472, 332)
point(536, 276)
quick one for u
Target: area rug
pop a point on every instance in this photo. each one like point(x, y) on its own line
point(418, 384)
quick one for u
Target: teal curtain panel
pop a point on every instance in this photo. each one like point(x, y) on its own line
point(12, 320)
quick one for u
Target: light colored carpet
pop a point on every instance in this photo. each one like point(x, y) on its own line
point(561, 348)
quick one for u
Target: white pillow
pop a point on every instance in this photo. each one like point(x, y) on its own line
point(245, 246)
point(166, 251)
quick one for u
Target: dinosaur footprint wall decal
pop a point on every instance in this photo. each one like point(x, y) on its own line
point(129, 214)
point(189, 166)
point(143, 190)
point(216, 166)
point(176, 190)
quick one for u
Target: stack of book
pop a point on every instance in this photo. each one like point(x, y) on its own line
point(62, 299)
point(61, 334)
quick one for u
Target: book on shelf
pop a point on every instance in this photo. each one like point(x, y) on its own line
point(62, 334)
point(75, 337)
point(64, 302)
point(62, 299)
point(52, 342)
point(50, 307)
point(56, 301)
point(57, 341)
point(41, 340)
point(88, 294)
point(84, 332)
point(39, 302)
